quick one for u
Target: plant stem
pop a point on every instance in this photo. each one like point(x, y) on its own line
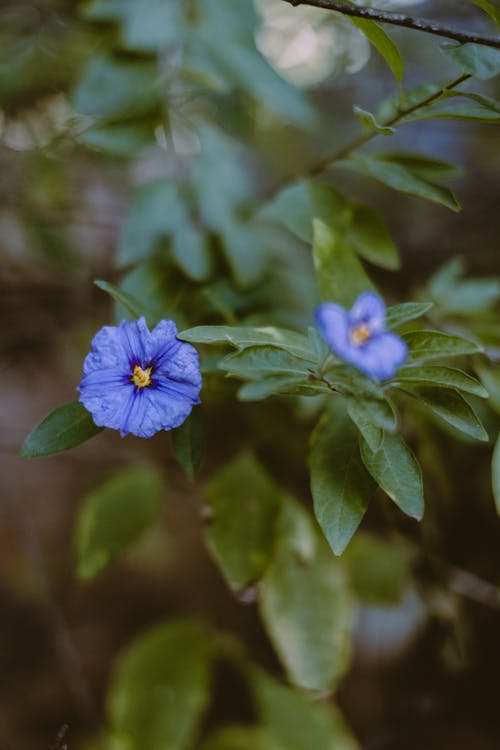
point(400, 19)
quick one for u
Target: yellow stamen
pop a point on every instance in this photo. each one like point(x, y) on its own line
point(141, 378)
point(359, 334)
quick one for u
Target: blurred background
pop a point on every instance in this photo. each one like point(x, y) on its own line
point(76, 141)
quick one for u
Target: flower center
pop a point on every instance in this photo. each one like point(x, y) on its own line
point(141, 378)
point(359, 334)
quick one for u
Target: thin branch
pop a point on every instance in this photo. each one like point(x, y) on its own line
point(326, 161)
point(400, 19)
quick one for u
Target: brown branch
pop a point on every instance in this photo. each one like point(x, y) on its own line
point(400, 19)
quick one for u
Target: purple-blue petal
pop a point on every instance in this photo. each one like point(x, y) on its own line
point(134, 337)
point(333, 324)
point(106, 351)
point(379, 357)
point(369, 308)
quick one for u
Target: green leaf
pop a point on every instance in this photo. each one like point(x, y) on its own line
point(294, 720)
point(257, 390)
point(64, 428)
point(257, 362)
point(295, 207)
point(452, 408)
point(490, 377)
point(448, 377)
point(128, 301)
point(379, 569)
point(120, 139)
point(369, 122)
point(340, 487)
point(383, 44)
point(241, 738)
point(454, 111)
point(341, 277)
point(371, 417)
point(396, 470)
point(242, 338)
point(117, 87)
point(192, 253)
point(495, 474)
point(160, 688)
point(490, 9)
point(244, 502)
point(430, 169)
point(157, 212)
point(370, 238)
point(113, 516)
point(477, 59)
point(397, 315)
point(187, 443)
point(305, 604)
point(424, 345)
point(401, 178)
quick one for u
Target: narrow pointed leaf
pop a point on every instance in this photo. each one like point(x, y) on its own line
point(447, 377)
point(130, 303)
point(396, 470)
point(242, 338)
point(424, 345)
point(397, 315)
point(187, 443)
point(340, 486)
point(64, 428)
point(452, 408)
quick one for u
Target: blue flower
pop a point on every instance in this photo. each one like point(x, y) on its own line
point(359, 336)
point(139, 381)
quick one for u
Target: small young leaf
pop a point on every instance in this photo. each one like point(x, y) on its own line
point(369, 122)
point(340, 487)
point(187, 443)
point(397, 315)
point(448, 377)
point(64, 428)
point(495, 474)
point(341, 277)
point(452, 408)
point(113, 516)
point(130, 303)
point(424, 345)
point(396, 470)
point(161, 687)
point(241, 534)
point(242, 338)
point(305, 604)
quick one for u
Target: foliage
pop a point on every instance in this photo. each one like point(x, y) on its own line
point(238, 247)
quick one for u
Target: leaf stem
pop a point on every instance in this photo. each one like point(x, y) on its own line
point(400, 19)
